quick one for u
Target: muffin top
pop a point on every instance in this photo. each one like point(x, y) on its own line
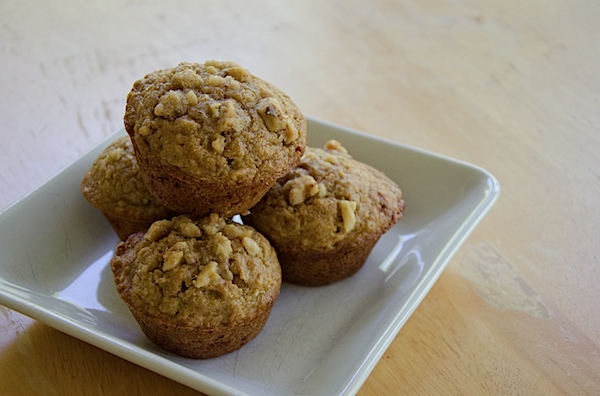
point(114, 184)
point(215, 120)
point(327, 198)
point(206, 272)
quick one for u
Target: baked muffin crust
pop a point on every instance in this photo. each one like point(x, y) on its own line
point(198, 288)
point(213, 123)
point(326, 214)
point(205, 118)
point(327, 197)
point(203, 273)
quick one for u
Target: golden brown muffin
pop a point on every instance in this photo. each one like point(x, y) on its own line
point(212, 138)
point(114, 185)
point(326, 215)
point(200, 288)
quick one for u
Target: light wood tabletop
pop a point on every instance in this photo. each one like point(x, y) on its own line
point(511, 86)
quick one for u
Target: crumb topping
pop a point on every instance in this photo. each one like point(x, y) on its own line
point(114, 182)
point(215, 119)
point(208, 272)
point(326, 198)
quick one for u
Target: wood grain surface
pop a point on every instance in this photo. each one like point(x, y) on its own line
point(511, 86)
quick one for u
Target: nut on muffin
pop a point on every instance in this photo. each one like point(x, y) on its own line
point(326, 215)
point(212, 137)
point(198, 288)
point(114, 185)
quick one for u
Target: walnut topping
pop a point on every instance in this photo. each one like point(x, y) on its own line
point(227, 274)
point(309, 155)
point(216, 224)
point(218, 144)
point(210, 67)
point(335, 145)
point(301, 188)
point(171, 104)
point(251, 246)
point(232, 231)
point(188, 79)
point(113, 156)
point(322, 190)
point(290, 132)
point(144, 130)
point(239, 73)
point(172, 260)
point(224, 109)
point(174, 256)
point(190, 230)
point(215, 81)
point(158, 230)
point(330, 159)
point(207, 274)
point(179, 246)
point(191, 98)
point(348, 208)
point(232, 83)
point(275, 120)
point(223, 245)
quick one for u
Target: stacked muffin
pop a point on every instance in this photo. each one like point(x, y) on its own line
point(207, 142)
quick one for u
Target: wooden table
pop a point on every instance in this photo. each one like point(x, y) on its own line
point(509, 85)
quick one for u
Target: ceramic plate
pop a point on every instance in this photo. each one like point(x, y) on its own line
point(56, 248)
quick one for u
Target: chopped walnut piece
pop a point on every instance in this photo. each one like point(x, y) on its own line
point(239, 73)
point(207, 274)
point(172, 259)
point(188, 79)
point(227, 274)
point(179, 246)
point(171, 104)
point(275, 120)
point(191, 98)
point(251, 246)
point(157, 230)
point(215, 225)
point(335, 145)
point(322, 190)
point(218, 144)
point(290, 131)
point(174, 256)
point(301, 188)
point(190, 230)
point(330, 159)
point(232, 231)
point(224, 109)
point(347, 208)
point(215, 81)
point(223, 245)
point(144, 130)
point(309, 155)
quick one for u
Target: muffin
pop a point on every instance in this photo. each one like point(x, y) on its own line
point(198, 288)
point(212, 138)
point(114, 185)
point(326, 215)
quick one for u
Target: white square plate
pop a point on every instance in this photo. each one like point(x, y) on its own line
point(56, 248)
